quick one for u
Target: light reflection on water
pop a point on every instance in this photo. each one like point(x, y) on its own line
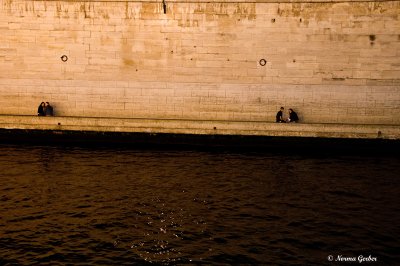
point(123, 206)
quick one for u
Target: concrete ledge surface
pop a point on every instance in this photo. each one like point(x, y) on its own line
point(200, 127)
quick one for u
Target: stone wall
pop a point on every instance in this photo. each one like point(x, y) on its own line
point(333, 62)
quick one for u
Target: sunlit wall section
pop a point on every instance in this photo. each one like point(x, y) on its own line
point(333, 62)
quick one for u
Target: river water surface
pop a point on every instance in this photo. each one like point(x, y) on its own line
point(116, 206)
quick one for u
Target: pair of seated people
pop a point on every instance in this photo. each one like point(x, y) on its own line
point(45, 109)
point(292, 116)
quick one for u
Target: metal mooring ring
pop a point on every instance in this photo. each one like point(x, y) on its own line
point(262, 62)
point(64, 58)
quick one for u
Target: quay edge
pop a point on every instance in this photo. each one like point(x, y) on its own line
point(254, 135)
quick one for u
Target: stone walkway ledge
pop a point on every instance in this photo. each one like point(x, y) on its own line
point(200, 127)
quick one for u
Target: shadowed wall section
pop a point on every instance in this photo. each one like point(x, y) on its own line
point(333, 62)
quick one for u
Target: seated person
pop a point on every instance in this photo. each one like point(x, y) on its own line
point(279, 116)
point(293, 116)
point(48, 109)
point(41, 108)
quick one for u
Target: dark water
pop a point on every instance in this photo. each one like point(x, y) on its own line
point(70, 205)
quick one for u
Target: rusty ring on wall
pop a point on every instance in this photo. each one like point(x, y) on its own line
point(64, 58)
point(262, 62)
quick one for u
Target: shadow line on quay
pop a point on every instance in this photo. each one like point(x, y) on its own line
point(204, 142)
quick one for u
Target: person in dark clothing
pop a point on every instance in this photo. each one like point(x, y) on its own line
point(49, 109)
point(279, 116)
point(293, 116)
point(41, 109)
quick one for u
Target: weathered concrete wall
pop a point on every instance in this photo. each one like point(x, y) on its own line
point(331, 62)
